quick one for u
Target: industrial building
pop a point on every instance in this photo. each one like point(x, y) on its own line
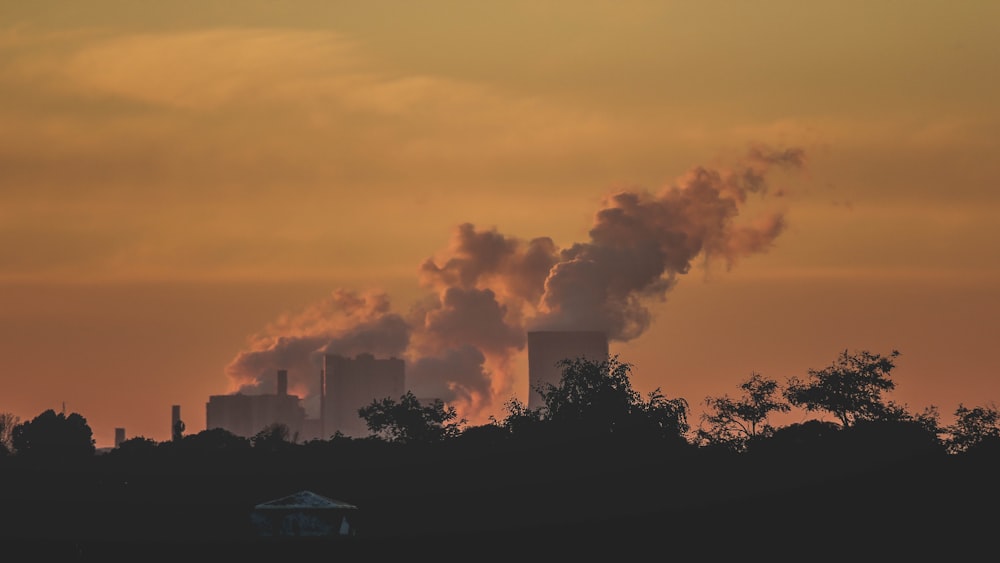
point(246, 415)
point(546, 348)
point(347, 384)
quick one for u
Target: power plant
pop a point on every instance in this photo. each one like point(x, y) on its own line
point(546, 348)
point(246, 415)
point(348, 384)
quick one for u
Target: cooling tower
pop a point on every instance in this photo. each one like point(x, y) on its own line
point(546, 348)
point(355, 383)
point(282, 382)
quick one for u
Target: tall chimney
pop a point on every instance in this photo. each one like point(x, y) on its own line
point(119, 436)
point(322, 405)
point(282, 382)
point(176, 426)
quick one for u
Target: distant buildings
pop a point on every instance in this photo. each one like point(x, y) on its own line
point(349, 384)
point(246, 415)
point(346, 385)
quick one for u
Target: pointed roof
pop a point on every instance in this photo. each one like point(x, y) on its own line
point(304, 500)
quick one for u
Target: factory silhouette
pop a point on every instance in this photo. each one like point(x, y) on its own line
point(347, 384)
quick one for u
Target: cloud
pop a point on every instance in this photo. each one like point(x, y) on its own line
point(487, 289)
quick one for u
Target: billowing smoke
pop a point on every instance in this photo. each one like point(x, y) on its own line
point(344, 323)
point(488, 289)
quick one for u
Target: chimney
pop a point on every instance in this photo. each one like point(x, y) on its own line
point(282, 382)
point(119, 436)
point(322, 404)
point(176, 425)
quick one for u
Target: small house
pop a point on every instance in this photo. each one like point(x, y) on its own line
point(304, 514)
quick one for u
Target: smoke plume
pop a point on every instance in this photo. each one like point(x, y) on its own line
point(487, 289)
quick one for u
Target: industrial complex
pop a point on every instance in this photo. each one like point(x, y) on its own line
point(348, 384)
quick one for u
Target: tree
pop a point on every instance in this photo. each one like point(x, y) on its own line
point(135, 448)
point(597, 398)
point(520, 419)
point(212, 440)
point(54, 437)
point(7, 423)
point(273, 437)
point(733, 423)
point(409, 421)
point(973, 427)
point(850, 388)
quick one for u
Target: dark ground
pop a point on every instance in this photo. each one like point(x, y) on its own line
point(495, 507)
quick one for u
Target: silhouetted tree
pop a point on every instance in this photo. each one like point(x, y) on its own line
point(973, 427)
point(484, 435)
point(54, 437)
point(850, 389)
point(896, 439)
point(664, 417)
point(809, 435)
point(7, 423)
point(273, 437)
point(135, 448)
point(214, 440)
point(520, 419)
point(408, 421)
point(596, 397)
point(732, 423)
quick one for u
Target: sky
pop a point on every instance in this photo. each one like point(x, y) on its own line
point(196, 194)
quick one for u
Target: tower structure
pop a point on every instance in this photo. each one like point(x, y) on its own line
point(352, 383)
point(546, 348)
point(246, 415)
point(176, 424)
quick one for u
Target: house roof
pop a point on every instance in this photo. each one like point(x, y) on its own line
point(304, 500)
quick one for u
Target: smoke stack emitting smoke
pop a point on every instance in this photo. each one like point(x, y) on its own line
point(459, 342)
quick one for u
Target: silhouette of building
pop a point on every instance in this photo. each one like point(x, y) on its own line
point(546, 348)
point(119, 436)
point(348, 384)
point(304, 514)
point(176, 424)
point(246, 415)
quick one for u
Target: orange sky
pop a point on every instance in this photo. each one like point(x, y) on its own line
point(182, 185)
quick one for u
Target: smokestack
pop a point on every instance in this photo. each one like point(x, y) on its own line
point(176, 424)
point(322, 404)
point(282, 382)
point(119, 436)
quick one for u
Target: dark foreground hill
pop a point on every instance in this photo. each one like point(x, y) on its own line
point(513, 505)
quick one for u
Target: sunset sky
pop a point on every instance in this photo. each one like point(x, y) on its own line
point(194, 194)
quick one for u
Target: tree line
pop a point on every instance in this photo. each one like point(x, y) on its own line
point(594, 400)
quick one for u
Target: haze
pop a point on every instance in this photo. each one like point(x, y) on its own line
point(192, 193)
